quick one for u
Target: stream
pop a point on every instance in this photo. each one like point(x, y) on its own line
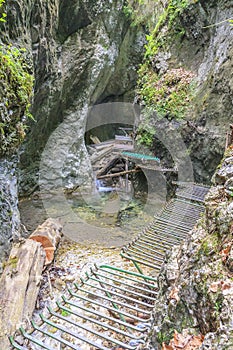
point(116, 217)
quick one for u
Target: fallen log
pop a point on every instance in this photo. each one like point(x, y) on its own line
point(49, 235)
point(112, 163)
point(20, 280)
point(118, 174)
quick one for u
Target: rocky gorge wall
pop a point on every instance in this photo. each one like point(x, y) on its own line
point(16, 85)
point(87, 52)
point(78, 53)
point(196, 280)
point(186, 78)
point(9, 216)
point(84, 52)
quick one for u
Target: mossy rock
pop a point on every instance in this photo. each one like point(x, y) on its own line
point(16, 88)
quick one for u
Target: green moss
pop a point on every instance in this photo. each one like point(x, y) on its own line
point(169, 19)
point(16, 88)
point(209, 245)
point(169, 94)
point(145, 135)
point(165, 337)
point(11, 262)
point(140, 12)
point(2, 13)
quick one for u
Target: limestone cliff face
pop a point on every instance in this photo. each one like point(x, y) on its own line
point(9, 215)
point(210, 54)
point(84, 52)
point(80, 52)
point(196, 287)
point(193, 37)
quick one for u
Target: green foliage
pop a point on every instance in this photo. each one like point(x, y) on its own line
point(145, 135)
point(11, 262)
point(217, 307)
point(16, 88)
point(164, 337)
point(2, 14)
point(209, 245)
point(65, 313)
point(169, 94)
point(169, 19)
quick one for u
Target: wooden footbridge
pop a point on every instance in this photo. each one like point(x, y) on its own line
point(111, 308)
point(116, 158)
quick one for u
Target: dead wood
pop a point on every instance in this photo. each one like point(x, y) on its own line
point(20, 280)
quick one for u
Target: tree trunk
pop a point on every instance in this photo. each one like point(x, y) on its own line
point(49, 235)
point(20, 281)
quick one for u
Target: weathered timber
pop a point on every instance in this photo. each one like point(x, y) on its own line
point(20, 280)
point(95, 157)
point(111, 164)
point(19, 286)
point(49, 235)
point(118, 174)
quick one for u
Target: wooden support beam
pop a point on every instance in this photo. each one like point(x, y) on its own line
point(118, 174)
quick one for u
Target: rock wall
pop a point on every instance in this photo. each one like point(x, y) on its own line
point(196, 287)
point(16, 85)
point(9, 215)
point(80, 53)
point(84, 52)
point(191, 38)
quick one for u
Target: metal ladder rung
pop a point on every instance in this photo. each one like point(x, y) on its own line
point(146, 257)
point(68, 331)
point(164, 224)
point(117, 300)
point(108, 268)
point(36, 341)
point(124, 313)
point(181, 216)
point(93, 320)
point(15, 345)
point(147, 246)
point(139, 252)
point(136, 287)
point(168, 235)
point(117, 287)
point(119, 295)
point(161, 247)
point(112, 319)
point(127, 306)
point(144, 262)
point(82, 326)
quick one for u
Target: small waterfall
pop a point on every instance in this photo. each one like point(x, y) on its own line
point(9, 213)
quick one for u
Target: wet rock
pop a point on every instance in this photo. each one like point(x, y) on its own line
point(84, 53)
point(9, 214)
point(225, 173)
point(199, 40)
point(198, 296)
